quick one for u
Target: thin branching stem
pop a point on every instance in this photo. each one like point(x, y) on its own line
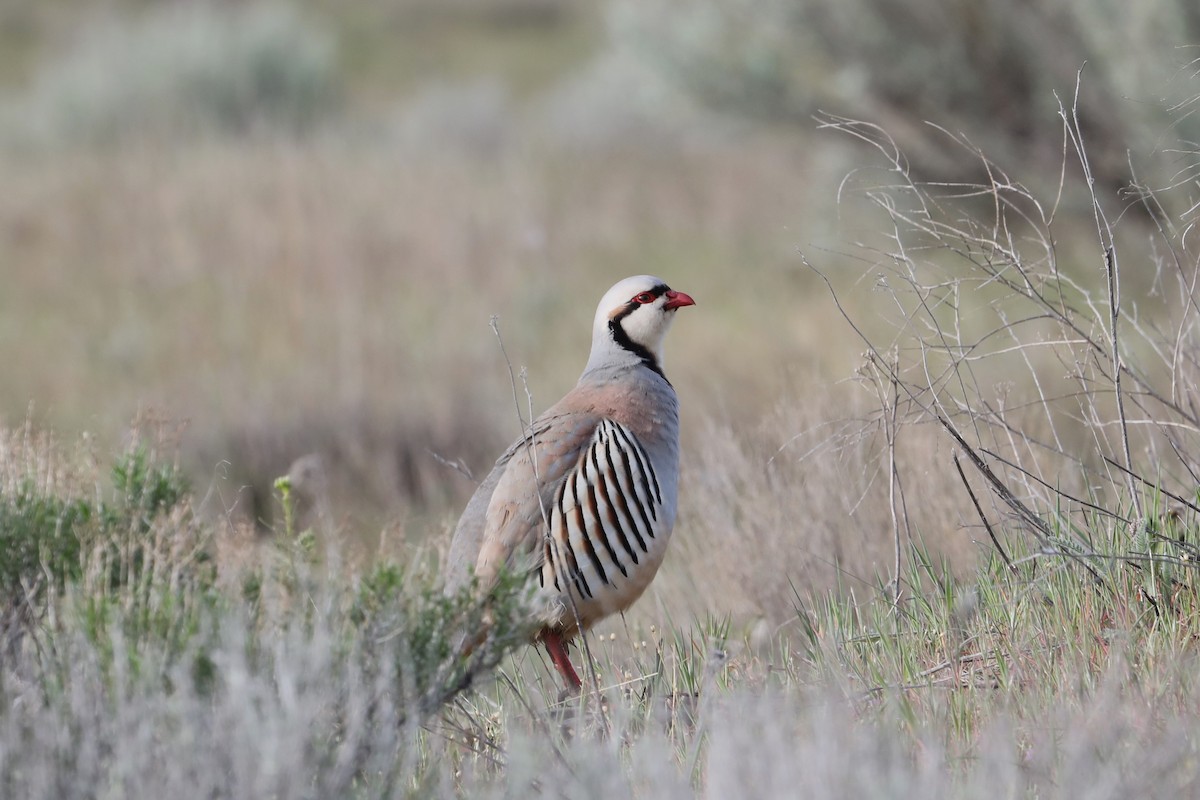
point(983, 517)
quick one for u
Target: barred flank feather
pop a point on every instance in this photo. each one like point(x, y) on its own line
point(606, 517)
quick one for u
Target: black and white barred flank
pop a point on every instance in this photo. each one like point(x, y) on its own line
point(607, 515)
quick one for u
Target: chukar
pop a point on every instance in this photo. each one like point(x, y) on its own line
point(585, 501)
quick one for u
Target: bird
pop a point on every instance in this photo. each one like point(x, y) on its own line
point(584, 502)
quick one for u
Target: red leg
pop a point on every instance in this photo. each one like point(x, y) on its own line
point(557, 648)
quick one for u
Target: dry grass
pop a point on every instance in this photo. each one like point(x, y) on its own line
point(799, 505)
point(295, 298)
point(288, 297)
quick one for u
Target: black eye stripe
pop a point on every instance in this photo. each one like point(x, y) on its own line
point(656, 292)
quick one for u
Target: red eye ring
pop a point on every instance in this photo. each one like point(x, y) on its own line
point(644, 298)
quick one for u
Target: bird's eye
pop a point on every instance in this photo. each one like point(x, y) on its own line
point(644, 298)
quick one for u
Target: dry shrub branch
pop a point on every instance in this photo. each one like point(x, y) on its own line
point(1069, 385)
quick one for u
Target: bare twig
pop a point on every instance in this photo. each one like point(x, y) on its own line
point(983, 517)
point(1178, 498)
point(889, 398)
point(1105, 232)
point(893, 484)
point(457, 465)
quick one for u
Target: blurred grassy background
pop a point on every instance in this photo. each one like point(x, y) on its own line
point(288, 225)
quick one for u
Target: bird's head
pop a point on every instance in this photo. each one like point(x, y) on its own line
point(631, 321)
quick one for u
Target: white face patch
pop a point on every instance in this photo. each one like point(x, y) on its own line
point(647, 324)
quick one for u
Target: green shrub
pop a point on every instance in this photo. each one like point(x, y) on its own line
point(439, 645)
point(40, 539)
point(52, 542)
point(144, 490)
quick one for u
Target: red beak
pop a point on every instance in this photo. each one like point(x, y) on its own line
point(678, 300)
